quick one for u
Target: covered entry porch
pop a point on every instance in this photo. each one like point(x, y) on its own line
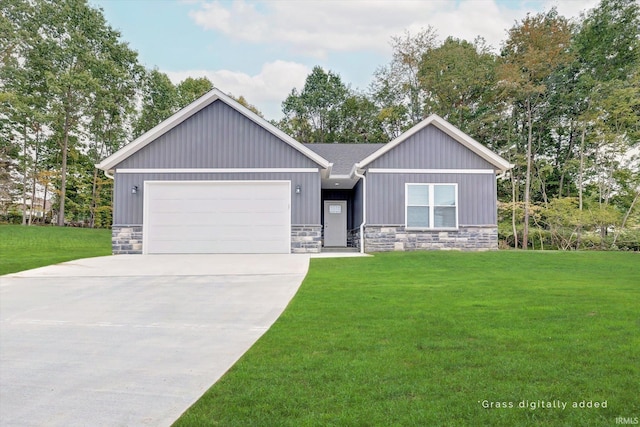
point(340, 220)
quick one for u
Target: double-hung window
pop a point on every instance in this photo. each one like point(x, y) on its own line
point(431, 206)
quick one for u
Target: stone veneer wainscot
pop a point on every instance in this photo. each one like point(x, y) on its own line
point(127, 239)
point(397, 238)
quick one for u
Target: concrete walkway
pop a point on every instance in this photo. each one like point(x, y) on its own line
point(131, 340)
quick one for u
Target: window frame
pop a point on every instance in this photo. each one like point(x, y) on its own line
point(431, 205)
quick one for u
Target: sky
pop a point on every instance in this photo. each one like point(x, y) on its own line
point(263, 49)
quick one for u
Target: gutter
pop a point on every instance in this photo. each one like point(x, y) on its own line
point(107, 174)
point(504, 171)
point(364, 205)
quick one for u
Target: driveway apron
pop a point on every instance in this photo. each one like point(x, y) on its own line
point(132, 340)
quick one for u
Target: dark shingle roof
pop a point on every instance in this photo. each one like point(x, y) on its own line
point(344, 156)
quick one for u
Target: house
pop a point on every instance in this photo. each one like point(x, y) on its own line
point(217, 178)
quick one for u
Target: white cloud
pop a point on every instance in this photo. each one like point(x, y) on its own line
point(316, 28)
point(571, 8)
point(266, 90)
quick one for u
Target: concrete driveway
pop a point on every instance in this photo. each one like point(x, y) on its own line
point(131, 340)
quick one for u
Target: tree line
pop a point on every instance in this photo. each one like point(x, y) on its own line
point(560, 100)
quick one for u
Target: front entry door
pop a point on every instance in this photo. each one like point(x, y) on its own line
point(335, 223)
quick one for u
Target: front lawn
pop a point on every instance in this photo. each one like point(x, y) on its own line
point(441, 338)
point(22, 248)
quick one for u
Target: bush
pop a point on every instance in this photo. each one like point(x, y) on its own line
point(11, 217)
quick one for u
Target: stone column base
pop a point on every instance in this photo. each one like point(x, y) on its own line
point(126, 239)
point(306, 239)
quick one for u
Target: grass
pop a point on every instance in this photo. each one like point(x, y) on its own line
point(437, 338)
point(23, 248)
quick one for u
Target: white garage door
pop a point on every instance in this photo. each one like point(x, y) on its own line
point(217, 217)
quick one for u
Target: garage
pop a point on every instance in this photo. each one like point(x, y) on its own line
point(217, 217)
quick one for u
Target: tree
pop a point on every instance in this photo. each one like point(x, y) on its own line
point(535, 48)
point(161, 98)
point(74, 53)
point(22, 95)
point(396, 87)
point(159, 101)
point(68, 81)
point(313, 115)
point(360, 121)
point(602, 88)
point(460, 78)
point(109, 113)
point(242, 101)
point(191, 89)
point(607, 44)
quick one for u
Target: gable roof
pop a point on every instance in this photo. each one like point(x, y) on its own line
point(191, 109)
point(497, 161)
point(344, 156)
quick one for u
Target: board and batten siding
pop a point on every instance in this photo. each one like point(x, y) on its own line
point(305, 207)
point(476, 196)
point(430, 148)
point(217, 137)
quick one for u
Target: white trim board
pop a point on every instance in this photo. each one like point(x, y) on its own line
point(434, 171)
point(219, 170)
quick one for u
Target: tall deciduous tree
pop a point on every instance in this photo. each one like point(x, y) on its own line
point(70, 79)
point(313, 114)
point(608, 43)
point(76, 50)
point(460, 79)
point(22, 92)
point(109, 113)
point(243, 101)
point(360, 121)
point(159, 101)
point(191, 89)
point(398, 84)
point(535, 48)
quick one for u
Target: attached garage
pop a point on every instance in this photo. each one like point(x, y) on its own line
point(215, 178)
point(217, 217)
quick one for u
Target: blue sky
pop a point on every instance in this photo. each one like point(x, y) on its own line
point(262, 50)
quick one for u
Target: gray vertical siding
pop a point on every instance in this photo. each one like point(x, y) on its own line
point(305, 207)
point(476, 197)
point(431, 149)
point(217, 137)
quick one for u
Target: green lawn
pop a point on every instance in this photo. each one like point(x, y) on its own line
point(433, 339)
point(22, 248)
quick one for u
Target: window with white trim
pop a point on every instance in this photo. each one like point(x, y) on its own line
point(431, 206)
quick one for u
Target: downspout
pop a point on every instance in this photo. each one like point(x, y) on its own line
point(105, 171)
point(504, 172)
point(364, 206)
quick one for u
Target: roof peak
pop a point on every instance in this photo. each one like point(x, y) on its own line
point(185, 113)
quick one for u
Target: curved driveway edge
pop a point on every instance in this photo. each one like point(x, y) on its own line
point(132, 340)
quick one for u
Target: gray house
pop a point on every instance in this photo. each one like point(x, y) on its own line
point(217, 178)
